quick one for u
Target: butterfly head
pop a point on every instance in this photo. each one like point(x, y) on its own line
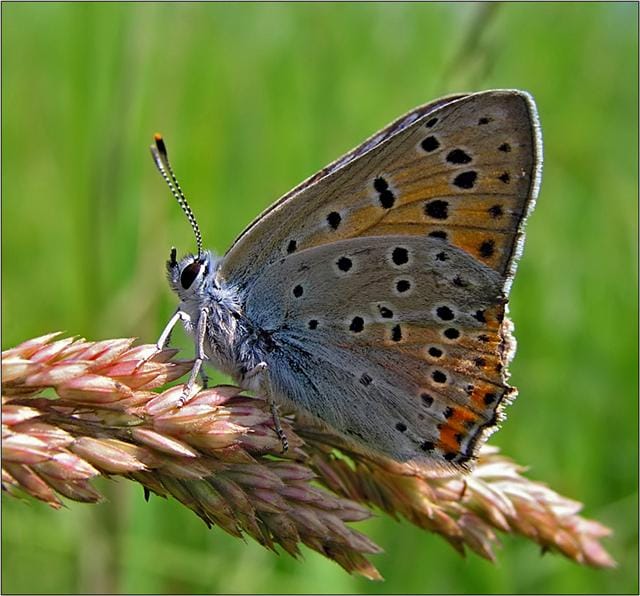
point(192, 275)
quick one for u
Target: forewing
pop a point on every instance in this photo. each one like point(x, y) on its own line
point(464, 168)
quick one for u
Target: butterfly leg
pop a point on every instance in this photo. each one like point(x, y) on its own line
point(200, 356)
point(165, 336)
point(278, 428)
point(250, 376)
point(163, 340)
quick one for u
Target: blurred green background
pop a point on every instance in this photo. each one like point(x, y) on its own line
point(253, 98)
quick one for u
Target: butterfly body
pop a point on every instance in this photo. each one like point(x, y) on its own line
point(373, 296)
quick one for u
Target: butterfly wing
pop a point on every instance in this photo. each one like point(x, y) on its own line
point(383, 280)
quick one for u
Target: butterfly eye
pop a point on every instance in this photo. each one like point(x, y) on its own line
point(189, 274)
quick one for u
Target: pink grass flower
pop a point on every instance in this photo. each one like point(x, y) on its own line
point(220, 456)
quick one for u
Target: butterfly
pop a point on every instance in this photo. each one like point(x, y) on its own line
point(373, 296)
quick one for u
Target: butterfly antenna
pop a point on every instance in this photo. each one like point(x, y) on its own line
point(161, 159)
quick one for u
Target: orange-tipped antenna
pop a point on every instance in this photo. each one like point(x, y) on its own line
point(161, 159)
